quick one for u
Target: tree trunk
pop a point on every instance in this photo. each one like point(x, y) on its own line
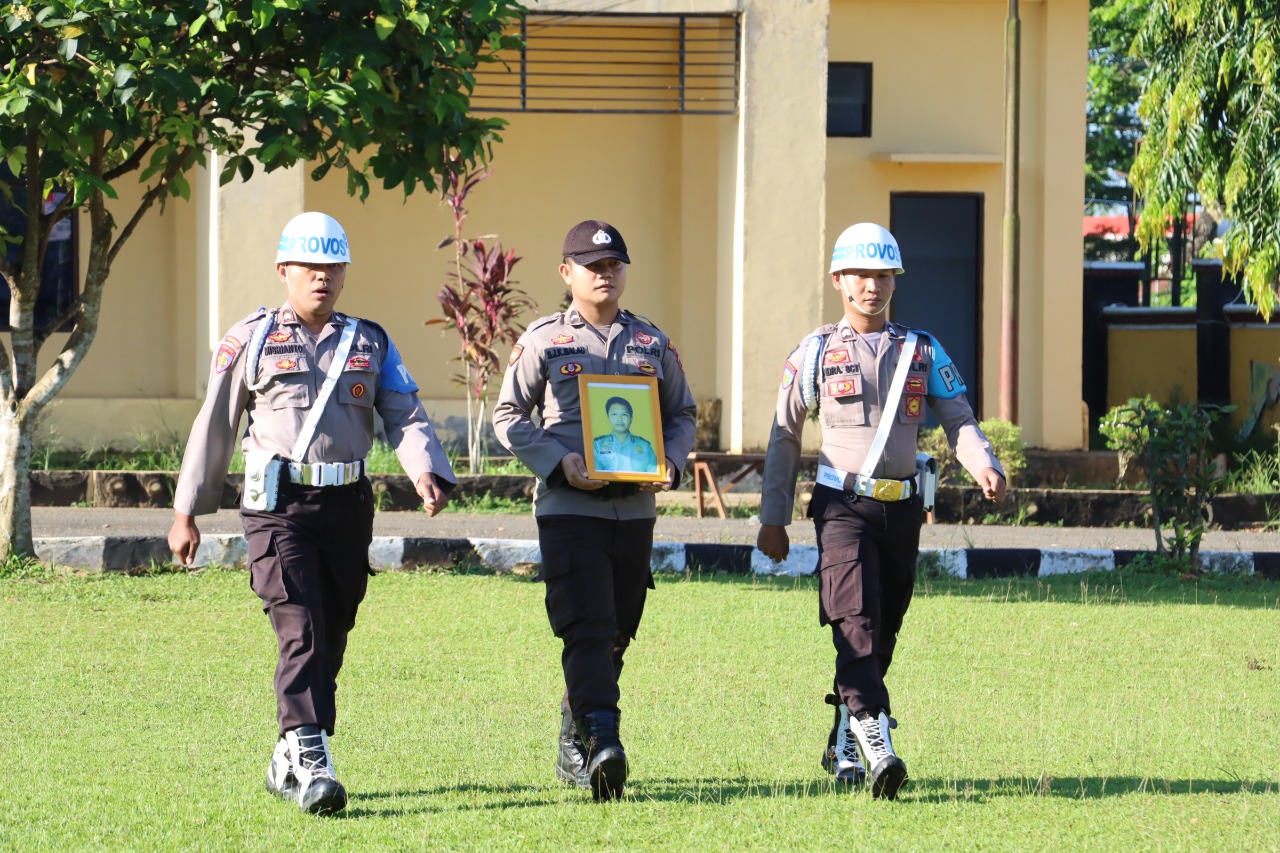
point(15, 486)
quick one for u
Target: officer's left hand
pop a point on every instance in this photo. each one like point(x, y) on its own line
point(993, 484)
point(662, 485)
point(433, 499)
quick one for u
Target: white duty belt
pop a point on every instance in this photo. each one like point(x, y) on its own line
point(882, 489)
point(326, 473)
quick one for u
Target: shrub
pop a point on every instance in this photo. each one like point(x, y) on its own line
point(1006, 443)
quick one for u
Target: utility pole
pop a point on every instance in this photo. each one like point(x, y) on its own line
point(1012, 228)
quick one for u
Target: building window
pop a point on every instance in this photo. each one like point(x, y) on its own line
point(616, 63)
point(849, 99)
point(58, 283)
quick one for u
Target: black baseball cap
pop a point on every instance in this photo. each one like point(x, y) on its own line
point(594, 240)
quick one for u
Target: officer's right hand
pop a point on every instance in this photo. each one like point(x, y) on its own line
point(575, 473)
point(184, 538)
point(773, 542)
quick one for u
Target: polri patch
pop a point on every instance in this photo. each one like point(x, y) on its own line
point(788, 375)
point(515, 354)
point(227, 352)
point(676, 353)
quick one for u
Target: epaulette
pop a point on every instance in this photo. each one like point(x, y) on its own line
point(542, 321)
point(642, 318)
point(256, 315)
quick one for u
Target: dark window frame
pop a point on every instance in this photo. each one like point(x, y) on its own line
point(862, 129)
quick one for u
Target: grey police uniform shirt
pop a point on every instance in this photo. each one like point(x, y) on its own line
point(632, 454)
point(852, 384)
point(542, 380)
point(374, 378)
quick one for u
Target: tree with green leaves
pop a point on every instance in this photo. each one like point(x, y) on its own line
point(1211, 108)
point(1115, 85)
point(96, 92)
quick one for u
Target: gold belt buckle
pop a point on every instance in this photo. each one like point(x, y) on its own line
point(887, 490)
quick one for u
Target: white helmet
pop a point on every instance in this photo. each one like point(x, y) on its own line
point(866, 246)
point(313, 238)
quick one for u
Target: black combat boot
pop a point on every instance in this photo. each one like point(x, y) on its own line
point(606, 762)
point(571, 765)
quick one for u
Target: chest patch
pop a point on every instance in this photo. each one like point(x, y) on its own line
point(280, 336)
point(571, 368)
point(838, 356)
point(562, 339)
point(848, 386)
point(358, 362)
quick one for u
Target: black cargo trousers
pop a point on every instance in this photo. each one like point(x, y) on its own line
point(867, 551)
point(597, 573)
point(309, 563)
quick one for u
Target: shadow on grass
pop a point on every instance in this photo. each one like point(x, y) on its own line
point(721, 790)
point(1079, 787)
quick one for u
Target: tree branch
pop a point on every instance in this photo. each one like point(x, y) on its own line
point(177, 165)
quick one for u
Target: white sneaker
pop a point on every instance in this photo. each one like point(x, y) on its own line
point(888, 771)
point(280, 778)
point(319, 790)
point(841, 757)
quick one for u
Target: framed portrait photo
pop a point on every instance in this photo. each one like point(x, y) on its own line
point(622, 428)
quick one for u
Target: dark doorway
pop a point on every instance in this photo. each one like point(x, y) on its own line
point(940, 236)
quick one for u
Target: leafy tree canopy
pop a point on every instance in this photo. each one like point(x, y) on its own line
point(92, 91)
point(1116, 77)
point(1212, 113)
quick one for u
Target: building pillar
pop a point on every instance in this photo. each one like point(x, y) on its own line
point(772, 291)
point(237, 226)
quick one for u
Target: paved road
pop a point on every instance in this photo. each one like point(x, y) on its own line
point(78, 522)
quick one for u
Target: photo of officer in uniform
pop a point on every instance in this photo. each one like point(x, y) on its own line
point(622, 450)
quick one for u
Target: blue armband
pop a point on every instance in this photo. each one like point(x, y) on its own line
point(395, 376)
point(944, 379)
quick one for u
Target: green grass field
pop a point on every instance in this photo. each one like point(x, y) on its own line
point(136, 713)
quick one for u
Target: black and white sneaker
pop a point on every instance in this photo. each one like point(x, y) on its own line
point(280, 778)
point(887, 770)
point(841, 758)
point(319, 790)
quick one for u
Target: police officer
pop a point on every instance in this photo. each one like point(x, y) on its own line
point(310, 380)
point(868, 524)
point(620, 450)
point(596, 537)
